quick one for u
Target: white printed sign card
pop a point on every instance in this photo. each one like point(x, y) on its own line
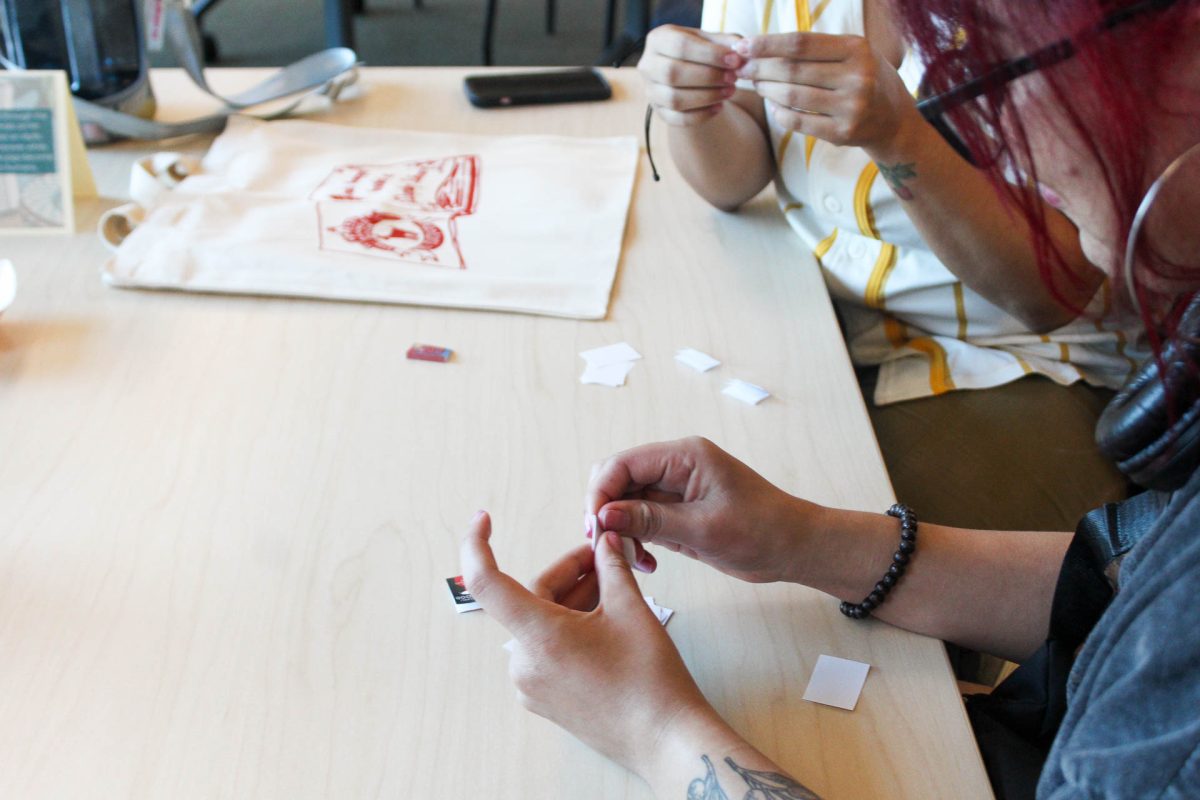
point(43, 166)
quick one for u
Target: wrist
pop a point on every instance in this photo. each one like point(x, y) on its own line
point(803, 524)
point(906, 141)
point(675, 757)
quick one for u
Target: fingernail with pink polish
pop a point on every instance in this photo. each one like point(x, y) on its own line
point(478, 515)
point(615, 519)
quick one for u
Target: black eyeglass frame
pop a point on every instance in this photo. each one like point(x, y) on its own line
point(935, 107)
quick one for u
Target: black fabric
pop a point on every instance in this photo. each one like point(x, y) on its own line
point(1016, 724)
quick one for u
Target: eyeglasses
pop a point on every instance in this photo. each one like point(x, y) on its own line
point(987, 86)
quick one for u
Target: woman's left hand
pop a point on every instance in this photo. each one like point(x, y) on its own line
point(836, 88)
point(590, 656)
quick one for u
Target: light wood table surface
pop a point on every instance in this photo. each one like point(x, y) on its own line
point(225, 522)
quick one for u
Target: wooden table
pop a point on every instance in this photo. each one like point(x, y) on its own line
point(225, 521)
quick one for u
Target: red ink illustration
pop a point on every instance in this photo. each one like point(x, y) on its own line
point(407, 210)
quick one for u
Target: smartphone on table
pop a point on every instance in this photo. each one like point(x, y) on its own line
point(528, 88)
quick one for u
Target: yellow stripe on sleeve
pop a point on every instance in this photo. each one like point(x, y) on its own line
point(823, 246)
point(724, 8)
point(803, 17)
point(960, 310)
point(1024, 364)
point(795, 205)
point(1064, 353)
point(1122, 342)
point(783, 146)
point(862, 203)
point(820, 9)
point(766, 18)
point(809, 143)
point(940, 381)
point(879, 274)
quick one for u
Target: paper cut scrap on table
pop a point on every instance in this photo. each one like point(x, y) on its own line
point(43, 166)
point(608, 365)
point(664, 614)
point(8, 284)
point(836, 682)
point(610, 375)
point(746, 392)
point(463, 600)
point(610, 354)
point(701, 362)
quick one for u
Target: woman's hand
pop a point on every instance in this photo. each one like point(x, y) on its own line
point(691, 497)
point(689, 73)
point(836, 88)
point(590, 656)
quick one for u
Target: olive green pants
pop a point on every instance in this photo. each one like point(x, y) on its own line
point(1015, 457)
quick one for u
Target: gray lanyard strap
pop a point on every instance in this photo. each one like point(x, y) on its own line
point(326, 72)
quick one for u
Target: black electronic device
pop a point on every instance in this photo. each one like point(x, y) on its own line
point(528, 88)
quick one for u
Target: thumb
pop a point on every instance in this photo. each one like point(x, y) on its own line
point(726, 39)
point(644, 520)
point(618, 587)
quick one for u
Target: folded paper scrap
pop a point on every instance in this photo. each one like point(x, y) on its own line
point(608, 365)
point(523, 223)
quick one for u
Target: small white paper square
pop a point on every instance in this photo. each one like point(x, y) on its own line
point(701, 362)
point(610, 354)
point(664, 614)
point(746, 392)
point(608, 375)
point(837, 682)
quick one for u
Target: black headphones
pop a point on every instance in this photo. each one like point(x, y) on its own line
point(1151, 429)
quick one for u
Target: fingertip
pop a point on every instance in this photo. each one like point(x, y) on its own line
point(614, 519)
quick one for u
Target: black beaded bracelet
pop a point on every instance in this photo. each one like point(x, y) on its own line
point(908, 545)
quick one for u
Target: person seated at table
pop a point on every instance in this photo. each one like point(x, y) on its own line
point(1108, 108)
point(935, 278)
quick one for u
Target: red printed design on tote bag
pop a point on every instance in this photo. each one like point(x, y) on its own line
point(405, 210)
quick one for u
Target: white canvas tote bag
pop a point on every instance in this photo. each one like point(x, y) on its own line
point(523, 223)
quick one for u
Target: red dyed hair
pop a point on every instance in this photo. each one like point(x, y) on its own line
point(1111, 78)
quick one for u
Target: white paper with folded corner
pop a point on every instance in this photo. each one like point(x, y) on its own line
point(523, 223)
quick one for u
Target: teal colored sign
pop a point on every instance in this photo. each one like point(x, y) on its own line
point(26, 141)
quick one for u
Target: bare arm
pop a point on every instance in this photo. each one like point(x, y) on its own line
point(845, 90)
point(718, 134)
point(987, 245)
point(987, 590)
point(726, 159)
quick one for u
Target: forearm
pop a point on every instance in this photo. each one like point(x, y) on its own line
point(704, 758)
point(987, 590)
point(726, 160)
point(987, 245)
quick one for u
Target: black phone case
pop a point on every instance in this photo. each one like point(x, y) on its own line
point(528, 88)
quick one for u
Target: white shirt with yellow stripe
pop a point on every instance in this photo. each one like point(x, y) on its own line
point(901, 307)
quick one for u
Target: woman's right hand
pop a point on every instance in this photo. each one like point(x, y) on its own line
point(689, 73)
point(692, 497)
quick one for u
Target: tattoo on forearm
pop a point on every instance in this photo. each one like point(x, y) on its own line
point(896, 175)
point(760, 785)
point(706, 788)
